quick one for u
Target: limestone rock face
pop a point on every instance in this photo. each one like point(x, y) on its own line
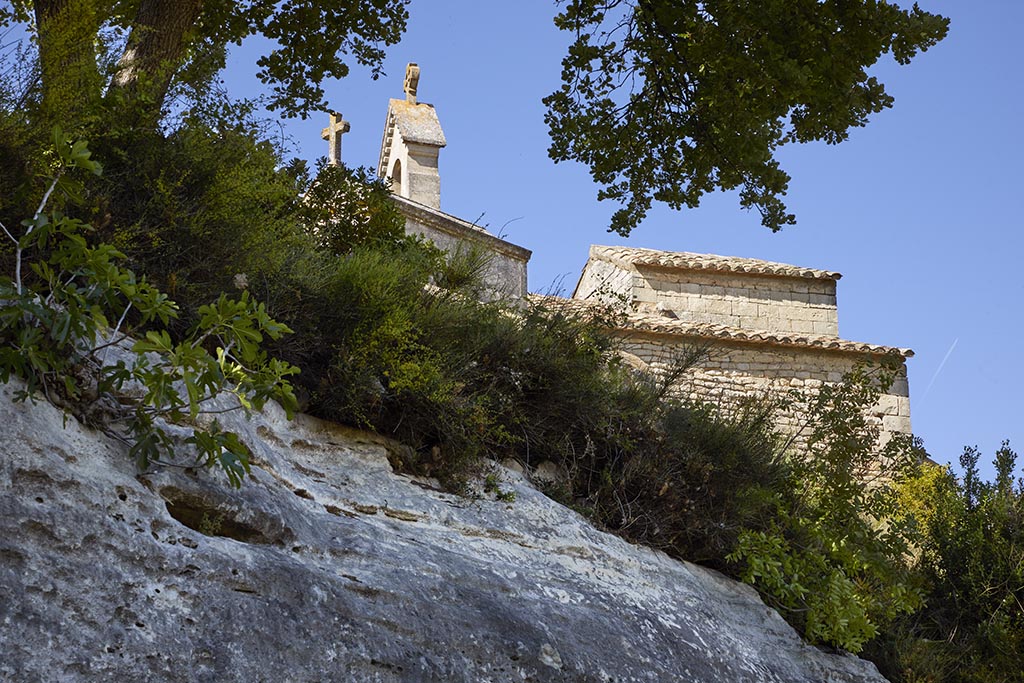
point(327, 566)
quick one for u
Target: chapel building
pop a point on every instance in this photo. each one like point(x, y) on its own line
point(409, 152)
point(769, 328)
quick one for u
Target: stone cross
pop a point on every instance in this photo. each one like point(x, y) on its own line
point(412, 80)
point(332, 133)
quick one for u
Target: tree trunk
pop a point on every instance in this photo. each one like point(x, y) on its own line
point(67, 58)
point(154, 52)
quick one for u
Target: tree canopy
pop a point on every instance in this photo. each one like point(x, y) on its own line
point(132, 51)
point(664, 100)
point(668, 100)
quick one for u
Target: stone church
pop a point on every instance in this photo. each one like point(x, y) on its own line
point(409, 151)
point(769, 327)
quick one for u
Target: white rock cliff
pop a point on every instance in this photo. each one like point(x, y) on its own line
point(328, 566)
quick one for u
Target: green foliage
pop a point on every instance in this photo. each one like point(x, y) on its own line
point(668, 101)
point(56, 332)
point(199, 206)
point(348, 208)
point(694, 480)
point(312, 39)
point(464, 269)
point(163, 45)
point(835, 559)
point(455, 379)
point(972, 560)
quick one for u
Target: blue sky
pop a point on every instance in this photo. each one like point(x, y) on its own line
point(917, 210)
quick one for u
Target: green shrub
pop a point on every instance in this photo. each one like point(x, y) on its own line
point(197, 207)
point(463, 269)
point(57, 326)
point(348, 208)
point(972, 560)
point(708, 475)
point(834, 560)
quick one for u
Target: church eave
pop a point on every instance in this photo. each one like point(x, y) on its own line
point(457, 227)
point(634, 257)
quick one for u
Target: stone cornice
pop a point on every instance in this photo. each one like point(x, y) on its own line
point(459, 228)
point(641, 323)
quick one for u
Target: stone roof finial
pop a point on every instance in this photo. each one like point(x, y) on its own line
point(412, 80)
point(332, 133)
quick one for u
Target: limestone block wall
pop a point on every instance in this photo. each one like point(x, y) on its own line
point(414, 173)
point(605, 282)
point(736, 371)
point(747, 301)
point(506, 272)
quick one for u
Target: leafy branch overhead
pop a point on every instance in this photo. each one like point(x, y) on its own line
point(669, 100)
point(155, 44)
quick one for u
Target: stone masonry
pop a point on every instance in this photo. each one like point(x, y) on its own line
point(769, 327)
point(505, 273)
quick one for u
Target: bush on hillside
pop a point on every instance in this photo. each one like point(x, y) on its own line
point(834, 559)
point(64, 307)
point(347, 208)
point(972, 561)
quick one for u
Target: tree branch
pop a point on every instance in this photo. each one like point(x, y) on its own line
point(155, 50)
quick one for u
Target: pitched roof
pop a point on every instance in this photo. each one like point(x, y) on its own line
point(682, 260)
point(654, 324)
point(415, 122)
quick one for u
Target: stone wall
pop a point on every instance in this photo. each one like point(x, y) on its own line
point(741, 300)
point(604, 282)
point(752, 302)
point(505, 275)
point(736, 371)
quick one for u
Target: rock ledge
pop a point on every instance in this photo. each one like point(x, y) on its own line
point(327, 566)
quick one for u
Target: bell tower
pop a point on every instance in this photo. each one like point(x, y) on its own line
point(411, 145)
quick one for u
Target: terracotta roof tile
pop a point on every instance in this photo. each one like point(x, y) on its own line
point(683, 260)
point(644, 322)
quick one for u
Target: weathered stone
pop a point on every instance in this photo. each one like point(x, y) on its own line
point(409, 160)
point(771, 328)
point(327, 566)
point(505, 269)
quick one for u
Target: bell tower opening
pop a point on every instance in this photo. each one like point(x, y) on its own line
point(396, 178)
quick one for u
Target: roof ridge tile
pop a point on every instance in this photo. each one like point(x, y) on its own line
point(684, 260)
point(645, 322)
